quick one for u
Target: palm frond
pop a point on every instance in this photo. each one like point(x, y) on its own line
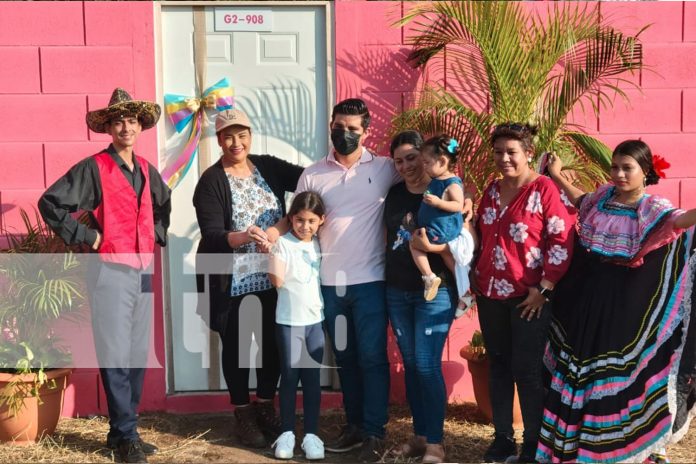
point(594, 148)
point(528, 68)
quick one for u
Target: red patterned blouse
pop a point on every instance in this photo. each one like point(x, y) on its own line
point(530, 239)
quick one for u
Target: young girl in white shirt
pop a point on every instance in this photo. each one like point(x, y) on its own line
point(294, 271)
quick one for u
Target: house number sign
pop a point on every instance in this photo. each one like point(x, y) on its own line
point(243, 19)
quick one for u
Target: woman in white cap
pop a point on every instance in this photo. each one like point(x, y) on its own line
point(236, 199)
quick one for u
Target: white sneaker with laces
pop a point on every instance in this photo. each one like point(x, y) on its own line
point(284, 445)
point(313, 447)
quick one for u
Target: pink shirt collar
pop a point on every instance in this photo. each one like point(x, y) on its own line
point(366, 157)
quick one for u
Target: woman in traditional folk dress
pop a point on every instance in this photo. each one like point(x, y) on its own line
point(616, 331)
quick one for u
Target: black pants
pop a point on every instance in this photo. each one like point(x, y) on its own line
point(515, 349)
point(686, 379)
point(301, 352)
point(250, 314)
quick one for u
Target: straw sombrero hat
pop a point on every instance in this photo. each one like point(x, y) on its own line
point(120, 105)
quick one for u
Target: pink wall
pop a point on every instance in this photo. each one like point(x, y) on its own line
point(59, 60)
point(66, 58)
point(370, 62)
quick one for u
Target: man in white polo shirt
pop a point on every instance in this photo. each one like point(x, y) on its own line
point(353, 184)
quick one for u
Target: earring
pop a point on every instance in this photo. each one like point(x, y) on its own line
point(529, 160)
point(645, 181)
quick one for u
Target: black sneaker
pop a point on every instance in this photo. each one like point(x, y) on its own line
point(148, 448)
point(528, 452)
point(371, 450)
point(131, 451)
point(350, 438)
point(503, 447)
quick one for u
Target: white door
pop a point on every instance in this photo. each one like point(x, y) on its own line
point(279, 76)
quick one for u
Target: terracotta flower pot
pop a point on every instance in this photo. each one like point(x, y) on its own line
point(479, 369)
point(34, 420)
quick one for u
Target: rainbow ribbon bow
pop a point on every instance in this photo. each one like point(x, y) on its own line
point(181, 111)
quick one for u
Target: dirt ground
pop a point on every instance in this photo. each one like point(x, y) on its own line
point(209, 438)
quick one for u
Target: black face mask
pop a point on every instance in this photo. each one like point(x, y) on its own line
point(344, 142)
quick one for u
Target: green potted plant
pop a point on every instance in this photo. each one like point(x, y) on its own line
point(477, 362)
point(497, 62)
point(40, 282)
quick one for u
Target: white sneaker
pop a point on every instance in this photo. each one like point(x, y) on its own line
point(466, 301)
point(284, 445)
point(313, 447)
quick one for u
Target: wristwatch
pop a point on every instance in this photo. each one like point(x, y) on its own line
point(545, 292)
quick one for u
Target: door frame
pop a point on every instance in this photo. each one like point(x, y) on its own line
point(329, 15)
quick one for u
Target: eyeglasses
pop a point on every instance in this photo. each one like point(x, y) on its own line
point(511, 126)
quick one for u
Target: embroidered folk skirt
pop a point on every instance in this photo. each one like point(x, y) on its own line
point(613, 353)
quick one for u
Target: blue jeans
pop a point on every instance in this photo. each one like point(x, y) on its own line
point(356, 321)
point(421, 328)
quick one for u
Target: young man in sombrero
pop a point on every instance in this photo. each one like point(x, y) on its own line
point(129, 206)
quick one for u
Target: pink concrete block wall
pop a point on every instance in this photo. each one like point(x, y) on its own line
point(22, 165)
point(41, 23)
point(689, 110)
point(19, 61)
point(86, 69)
point(68, 56)
point(665, 19)
point(64, 55)
point(689, 22)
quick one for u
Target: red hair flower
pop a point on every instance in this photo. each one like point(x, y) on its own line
point(659, 165)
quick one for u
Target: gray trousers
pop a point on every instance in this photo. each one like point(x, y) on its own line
point(121, 300)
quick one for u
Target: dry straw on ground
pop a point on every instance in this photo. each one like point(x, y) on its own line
point(209, 438)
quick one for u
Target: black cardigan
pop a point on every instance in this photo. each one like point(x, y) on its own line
point(213, 202)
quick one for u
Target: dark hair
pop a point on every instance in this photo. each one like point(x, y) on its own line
point(307, 200)
point(443, 145)
point(639, 151)
point(355, 107)
point(408, 137)
point(524, 133)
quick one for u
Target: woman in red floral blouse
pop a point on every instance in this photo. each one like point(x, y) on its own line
point(525, 227)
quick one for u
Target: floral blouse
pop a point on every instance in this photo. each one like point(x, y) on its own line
point(530, 239)
point(253, 203)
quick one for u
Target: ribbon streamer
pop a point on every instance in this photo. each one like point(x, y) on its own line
point(183, 110)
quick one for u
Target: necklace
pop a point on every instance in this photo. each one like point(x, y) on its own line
point(631, 200)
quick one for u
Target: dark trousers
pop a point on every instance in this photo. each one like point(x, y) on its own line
point(515, 349)
point(301, 351)
point(356, 321)
point(686, 378)
point(121, 302)
point(250, 314)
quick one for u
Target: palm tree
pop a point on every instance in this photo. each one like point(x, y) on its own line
point(506, 63)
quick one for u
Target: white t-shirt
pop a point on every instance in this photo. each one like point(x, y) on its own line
point(299, 298)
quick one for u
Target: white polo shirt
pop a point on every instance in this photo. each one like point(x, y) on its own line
point(352, 238)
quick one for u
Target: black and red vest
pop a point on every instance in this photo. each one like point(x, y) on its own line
point(128, 230)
